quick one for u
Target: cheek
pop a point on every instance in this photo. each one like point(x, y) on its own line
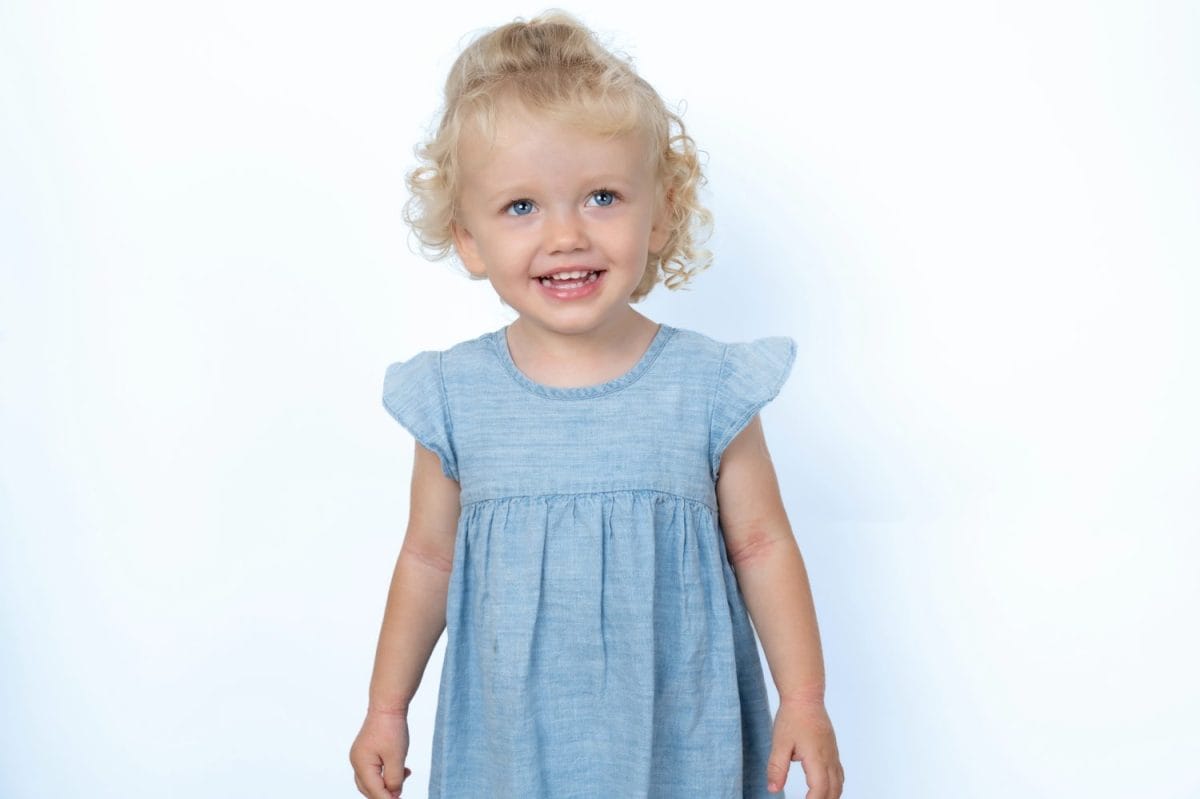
point(637, 236)
point(514, 252)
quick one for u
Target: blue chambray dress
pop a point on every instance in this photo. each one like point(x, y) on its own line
point(597, 643)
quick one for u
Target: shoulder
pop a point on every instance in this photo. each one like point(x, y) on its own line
point(745, 376)
point(425, 367)
point(456, 356)
point(415, 393)
point(707, 354)
point(697, 344)
point(770, 352)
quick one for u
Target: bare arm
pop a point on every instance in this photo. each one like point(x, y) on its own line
point(415, 614)
point(768, 565)
point(413, 621)
point(773, 580)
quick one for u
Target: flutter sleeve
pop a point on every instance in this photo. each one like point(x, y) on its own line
point(415, 396)
point(751, 375)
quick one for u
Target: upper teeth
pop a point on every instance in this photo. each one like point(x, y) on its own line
point(568, 275)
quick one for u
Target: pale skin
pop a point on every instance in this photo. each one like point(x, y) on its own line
point(774, 583)
point(534, 201)
point(765, 559)
point(413, 621)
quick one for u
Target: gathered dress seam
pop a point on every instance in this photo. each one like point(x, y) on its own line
point(573, 494)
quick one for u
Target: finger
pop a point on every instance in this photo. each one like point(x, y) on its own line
point(369, 779)
point(838, 782)
point(817, 776)
point(833, 787)
point(394, 772)
point(777, 769)
point(362, 788)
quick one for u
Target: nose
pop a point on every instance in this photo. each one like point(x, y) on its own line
point(564, 231)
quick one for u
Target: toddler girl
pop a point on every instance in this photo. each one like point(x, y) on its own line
point(568, 528)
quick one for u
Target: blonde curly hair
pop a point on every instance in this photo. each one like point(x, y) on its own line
point(555, 65)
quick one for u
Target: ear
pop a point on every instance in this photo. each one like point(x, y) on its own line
point(659, 229)
point(467, 249)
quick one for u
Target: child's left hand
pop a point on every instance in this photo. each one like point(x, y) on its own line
point(804, 732)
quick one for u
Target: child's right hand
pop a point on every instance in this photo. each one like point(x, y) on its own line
point(378, 753)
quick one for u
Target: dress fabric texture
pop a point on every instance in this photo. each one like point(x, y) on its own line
point(598, 644)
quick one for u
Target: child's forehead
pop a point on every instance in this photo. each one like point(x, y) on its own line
point(515, 128)
point(509, 117)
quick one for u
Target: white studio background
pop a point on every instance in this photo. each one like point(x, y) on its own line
point(979, 221)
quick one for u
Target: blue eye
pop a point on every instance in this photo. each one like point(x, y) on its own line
point(520, 203)
point(605, 193)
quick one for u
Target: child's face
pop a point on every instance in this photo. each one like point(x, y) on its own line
point(545, 196)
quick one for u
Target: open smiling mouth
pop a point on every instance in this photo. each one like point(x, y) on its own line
point(573, 287)
point(570, 283)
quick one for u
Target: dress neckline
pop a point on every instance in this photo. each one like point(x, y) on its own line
point(499, 339)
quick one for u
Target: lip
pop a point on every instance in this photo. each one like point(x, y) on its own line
point(576, 268)
point(556, 294)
